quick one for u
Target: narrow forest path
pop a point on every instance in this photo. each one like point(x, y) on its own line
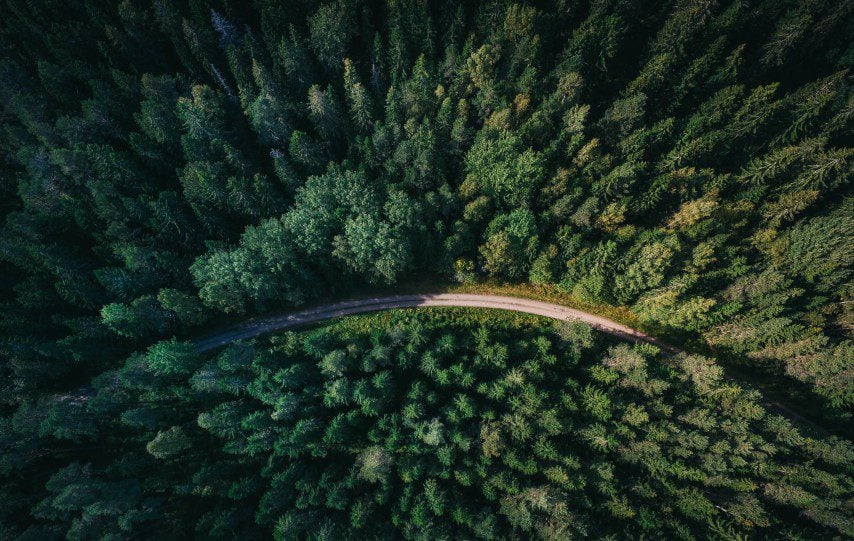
point(263, 325)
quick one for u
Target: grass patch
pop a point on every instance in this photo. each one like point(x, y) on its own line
point(455, 316)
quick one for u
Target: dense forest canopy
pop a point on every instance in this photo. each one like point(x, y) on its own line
point(167, 164)
point(435, 426)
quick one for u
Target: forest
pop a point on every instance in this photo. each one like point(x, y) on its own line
point(434, 426)
point(170, 165)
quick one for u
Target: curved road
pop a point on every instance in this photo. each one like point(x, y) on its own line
point(256, 327)
point(263, 325)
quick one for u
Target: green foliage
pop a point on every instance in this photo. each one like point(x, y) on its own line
point(372, 424)
point(511, 244)
point(262, 269)
point(165, 164)
point(504, 171)
point(143, 317)
point(170, 358)
point(169, 443)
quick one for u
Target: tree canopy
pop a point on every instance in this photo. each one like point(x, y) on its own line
point(440, 424)
point(168, 165)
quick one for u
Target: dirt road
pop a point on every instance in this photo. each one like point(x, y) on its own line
point(256, 327)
